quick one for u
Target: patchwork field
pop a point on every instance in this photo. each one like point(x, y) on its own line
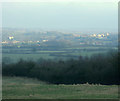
point(26, 88)
point(15, 54)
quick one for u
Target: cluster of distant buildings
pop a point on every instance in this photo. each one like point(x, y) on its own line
point(100, 35)
point(93, 35)
point(13, 41)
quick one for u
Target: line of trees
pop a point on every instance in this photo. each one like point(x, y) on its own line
point(97, 69)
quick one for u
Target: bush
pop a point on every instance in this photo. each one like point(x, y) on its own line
point(98, 69)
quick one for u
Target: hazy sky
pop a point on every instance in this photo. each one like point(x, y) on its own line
point(69, 16)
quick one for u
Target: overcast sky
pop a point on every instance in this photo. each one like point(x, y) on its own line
point(69, 16)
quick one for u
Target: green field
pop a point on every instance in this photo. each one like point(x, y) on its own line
point(15, 54)
point(54, 55)
point(36, 57)
point(24, 88)
point(17, 57)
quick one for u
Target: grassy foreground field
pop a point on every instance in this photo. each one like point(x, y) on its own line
point(24, 88)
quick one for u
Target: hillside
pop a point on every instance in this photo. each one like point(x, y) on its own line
point(24, 88)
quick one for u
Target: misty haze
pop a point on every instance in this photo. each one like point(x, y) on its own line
point(66, 50)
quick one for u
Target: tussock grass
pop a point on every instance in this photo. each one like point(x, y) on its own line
point(26, 88)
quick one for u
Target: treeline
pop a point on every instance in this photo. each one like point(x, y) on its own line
point(97, 69)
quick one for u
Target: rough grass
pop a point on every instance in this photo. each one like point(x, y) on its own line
point(24, 88)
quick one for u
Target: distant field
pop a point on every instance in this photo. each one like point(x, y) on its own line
point(24, 88)
point(54, 56)
point(17, 57)
point(66, 53)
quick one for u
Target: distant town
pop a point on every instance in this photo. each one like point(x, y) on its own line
point(36, 44)
point(53, 38)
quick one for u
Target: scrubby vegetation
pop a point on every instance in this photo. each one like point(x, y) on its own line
point(27, 88)
point(97, 69)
